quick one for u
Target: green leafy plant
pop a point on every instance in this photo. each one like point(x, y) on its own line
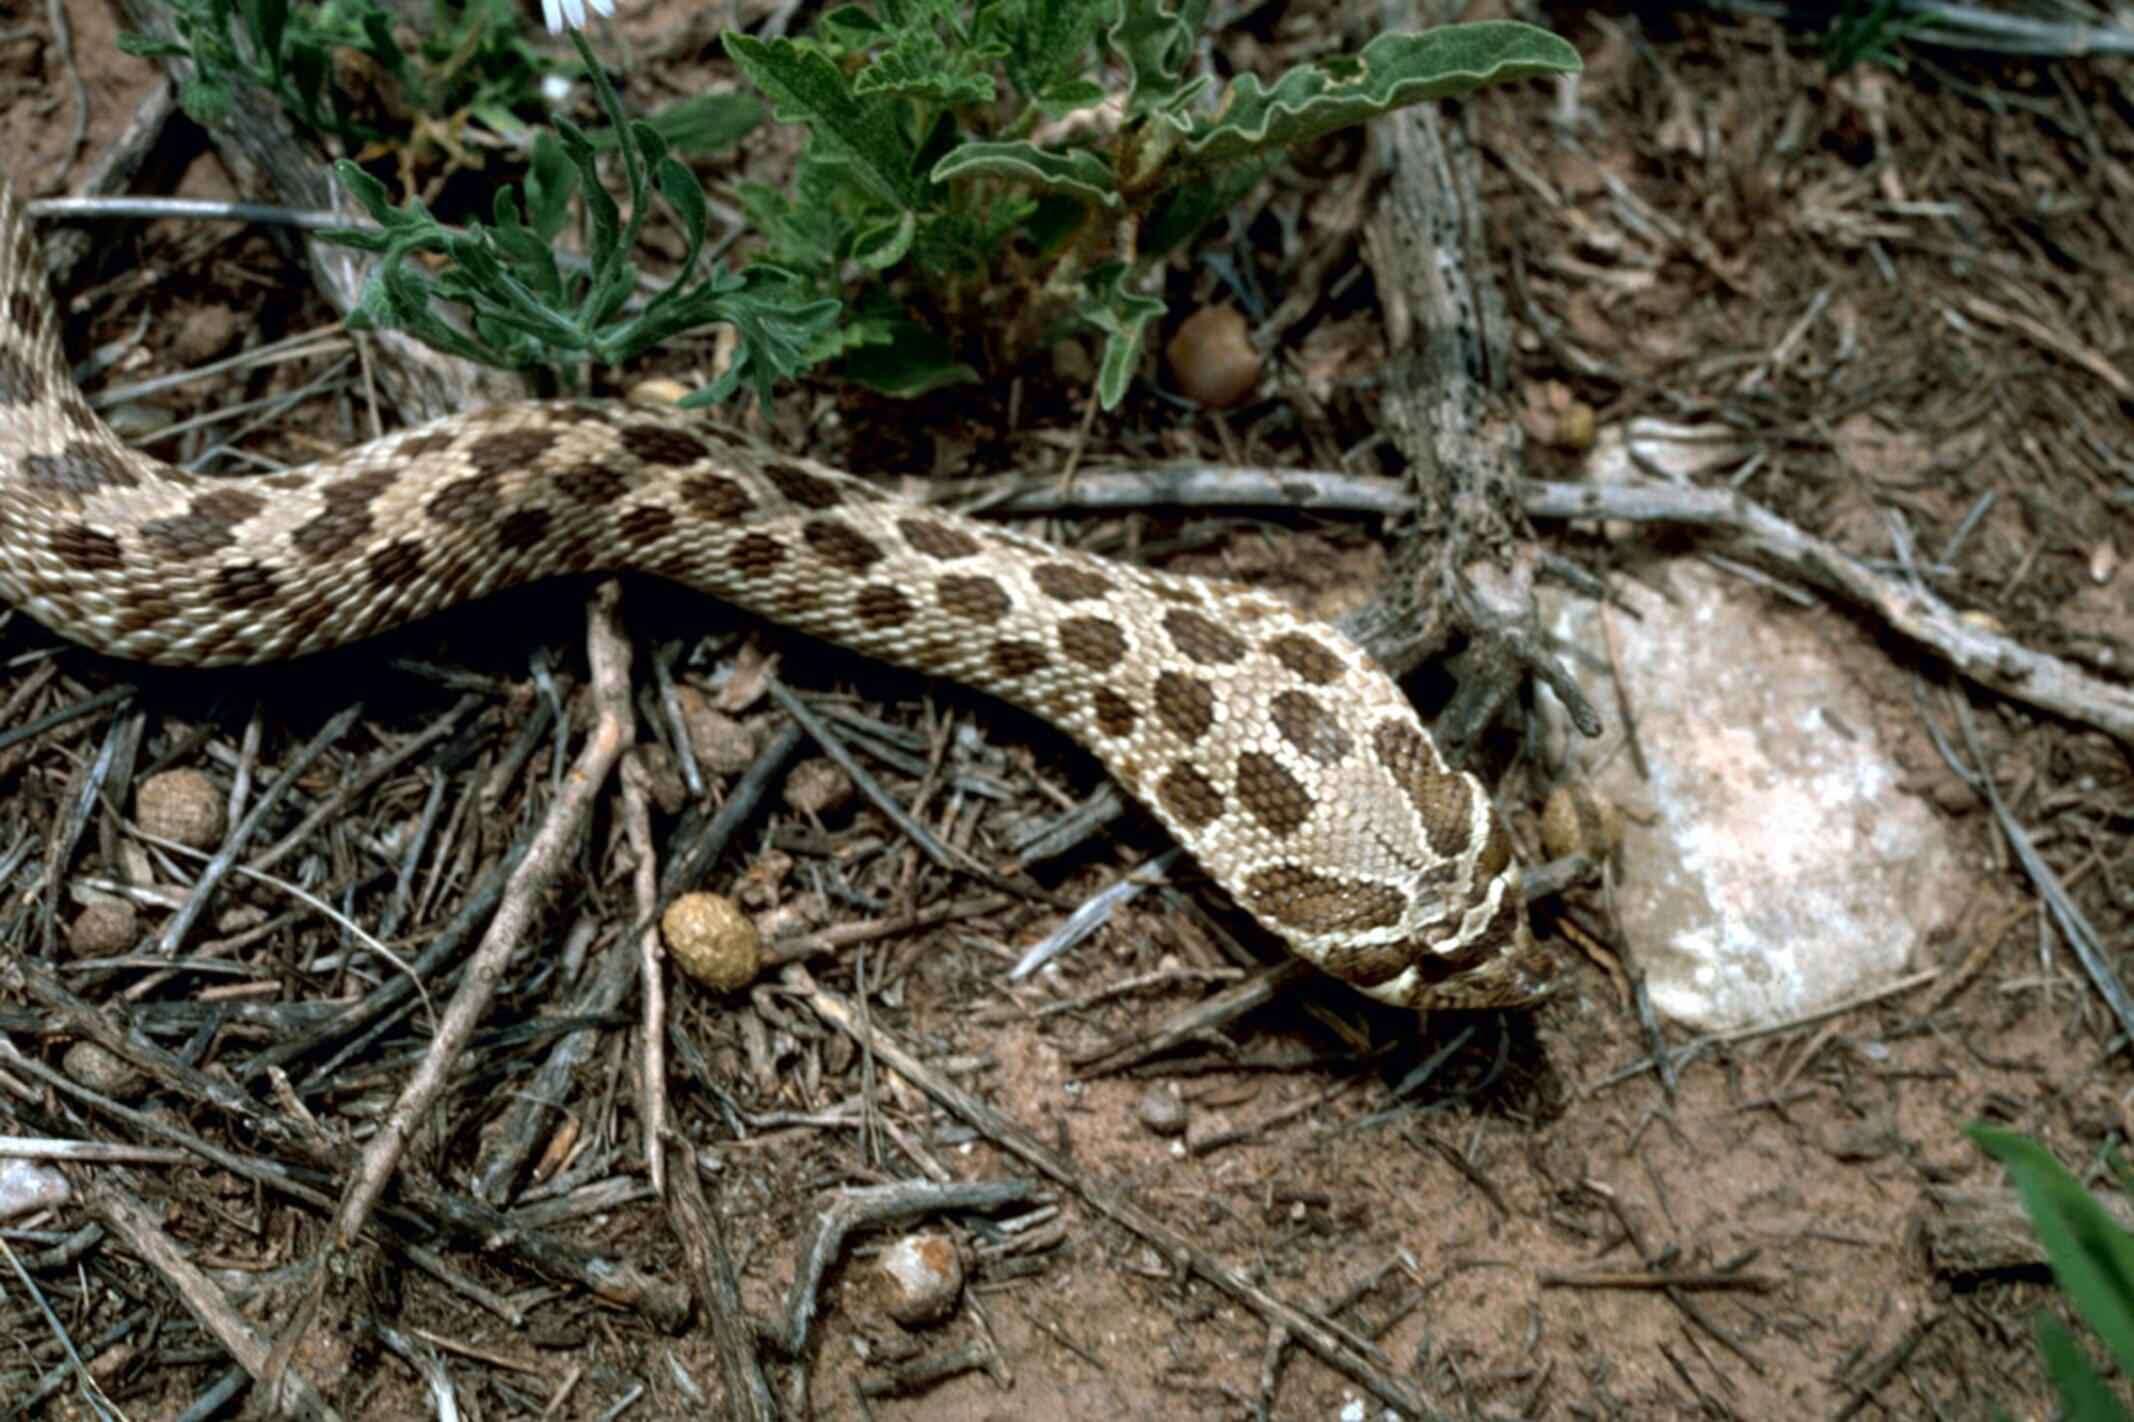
point(950, 209)
point(932, 187)
point(525, 308)
point(472, 62)
point(2093, 1260)
point(1869, 32)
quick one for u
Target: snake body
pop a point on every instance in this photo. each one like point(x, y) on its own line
point(1276, 752)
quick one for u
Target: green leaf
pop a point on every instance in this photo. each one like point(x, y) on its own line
point(921, 65)
point(146, 47)
point(270, 21)
point(883, 245)
point(1157, 44)
point(805, 87)
point(2092, 1257)
point(708, 123)
point(1045, 48)
point(1077, 172)
point(550, 181)
point(1123, 315)
point(2083, 1395)
point(1393, 71)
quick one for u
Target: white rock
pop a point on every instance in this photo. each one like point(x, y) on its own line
point(1779, 868)
point(27, 1186)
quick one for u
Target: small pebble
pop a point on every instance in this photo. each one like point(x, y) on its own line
point(181, 805)
point(104, 927)
point(1162, 1111)
point(713, 941)
point(922, 1277)
point(818, 787)
point(96, 1066)
point(27, 1186)
point(1212, 358)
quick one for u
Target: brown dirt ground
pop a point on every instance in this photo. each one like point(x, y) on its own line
point(1962, 220)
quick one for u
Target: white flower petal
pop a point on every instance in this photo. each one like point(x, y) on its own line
point(552, 11)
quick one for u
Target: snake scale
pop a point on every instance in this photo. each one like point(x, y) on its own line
point(1278, 753)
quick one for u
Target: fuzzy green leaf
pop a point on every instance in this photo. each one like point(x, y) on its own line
point(1394, 71)
point(1077, 172)
point(2092, 1257)
point(2084, 1396)
point(1123, 315)
point(805, 87)
point(1045, 48)
point(1157, 44)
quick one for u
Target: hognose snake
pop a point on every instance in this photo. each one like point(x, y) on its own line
point(1275, 751)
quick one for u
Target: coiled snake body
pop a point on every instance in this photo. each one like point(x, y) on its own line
point(1274, 750)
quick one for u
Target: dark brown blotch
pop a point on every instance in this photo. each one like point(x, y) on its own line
point(1310, 727)
point(28, 314)
point(1443, 801)
point(346, 518)
point(468, 502)
point(937, 540)
point(208, 525)
point(663, 446)
point(645, 525)
point(1314, 903)
point(86, 550)
point(840, 545)
point(511, 451)
point(1305, 657)
point(522, 529)
point(1013, 657)
point(591, 483)
point(1095, 642)
point(755, 554)
point(1201, 640)
point(1068, 583)
point(716, 497)
point(422, 446)
point(879, 605)
point(395, 565)
point(1186, 794)
point(1115, 714)
point(979, 600)
point(243, 585)
point(803, 486)
point(77, 471)
point(1185, 705)
point(1274, 797)
point(21, 382)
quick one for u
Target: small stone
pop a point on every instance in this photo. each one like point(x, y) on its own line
point(27, 1186)
point(96, 1066)
point(818, 787)
point(104, 927)
point(181, 805)
point(721, 745)
point(1161, 1110)
point(1212, 358)
point(922, 1277)
point(714, 941)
